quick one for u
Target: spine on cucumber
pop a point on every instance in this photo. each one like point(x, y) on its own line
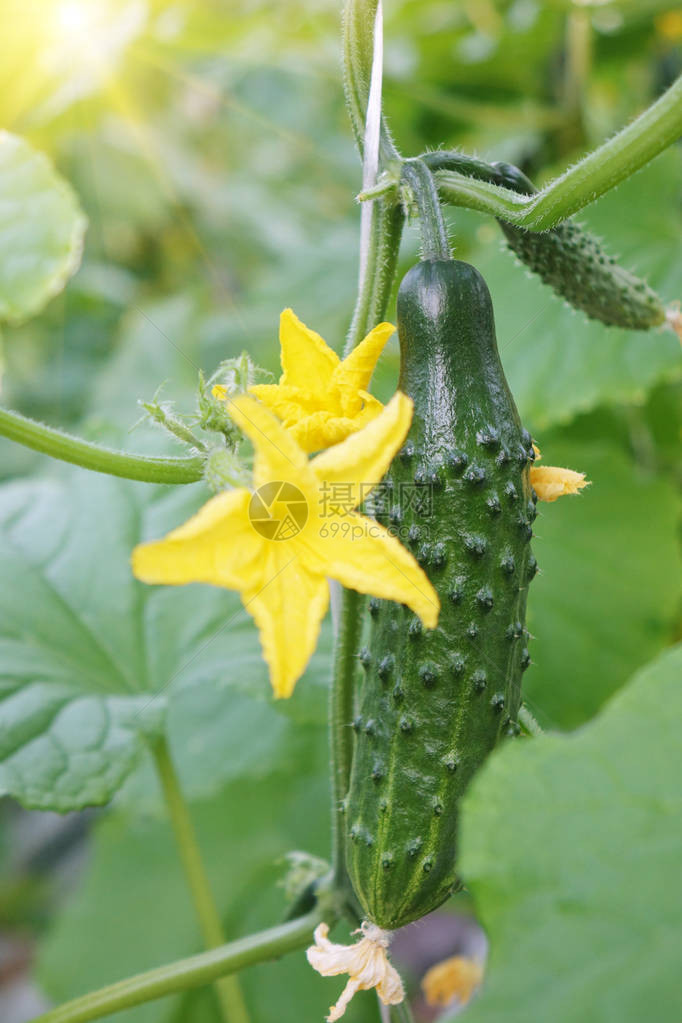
point(433, 704)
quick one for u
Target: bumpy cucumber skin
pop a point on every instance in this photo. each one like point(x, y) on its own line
point(434, 703)
point(573, 262)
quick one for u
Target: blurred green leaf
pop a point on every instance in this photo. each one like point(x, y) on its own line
point(558, 362)
point(571, 849)
point(52, 360)
point(91, 659)
point(609, 586)
point(41, 229)
point(159, 345)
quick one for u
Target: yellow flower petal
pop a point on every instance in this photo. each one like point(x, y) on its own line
point(218, 545)
point(550, 482)
point(363, 458)
point(372, 406)
point(285, 401)
point(322, 430)
point(453, 978)
point(355, 372)
point(366, 963)
point(307, 360)
point(278, 456)
point(362, 555)
point(287, 609)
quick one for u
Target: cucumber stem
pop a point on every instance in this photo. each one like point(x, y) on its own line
point(340, 716)
point(385, 232)
point(435, 244)
point(359, 19)
point(149, 469)
point(461, 163)
point(402, 1012)
point(195, 971)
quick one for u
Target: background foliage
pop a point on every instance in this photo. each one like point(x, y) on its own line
point(208, 146)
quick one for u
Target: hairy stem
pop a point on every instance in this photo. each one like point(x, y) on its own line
point(382, 257)
point(229, 993)
point(638, 143)
point(358, 49)
point(195, 971)
point(402, 1013)
point(150, 469)
point(435, 244)
point(340, 716)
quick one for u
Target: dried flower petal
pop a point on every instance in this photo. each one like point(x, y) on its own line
point(366, 963)
point(673, 316)
point(550, 482)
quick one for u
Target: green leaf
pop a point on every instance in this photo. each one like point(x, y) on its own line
point(41, 229)
point(91, 661)
point(558, 362)
point(609, 586)
point(571, 849)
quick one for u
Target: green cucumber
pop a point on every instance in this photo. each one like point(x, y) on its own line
point(433, 704)
point(567, 258)
point(574, 263)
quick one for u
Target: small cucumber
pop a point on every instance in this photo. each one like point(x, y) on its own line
point(433, 704)
point(567, 258)
point(574, 263)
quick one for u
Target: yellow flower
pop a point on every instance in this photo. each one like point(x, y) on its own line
point(320, 399)
point(454, 978)
point(366, 962)
point(278, 544)
point(550, 482)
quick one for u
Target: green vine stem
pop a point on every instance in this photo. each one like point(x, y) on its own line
point(148, 468)
point(346, 643)
point(229, 993)
point(638, 143)
point(374, 291)
point(418, 177)
point(195, 971)
point(402, 1013)
point(358, 49)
